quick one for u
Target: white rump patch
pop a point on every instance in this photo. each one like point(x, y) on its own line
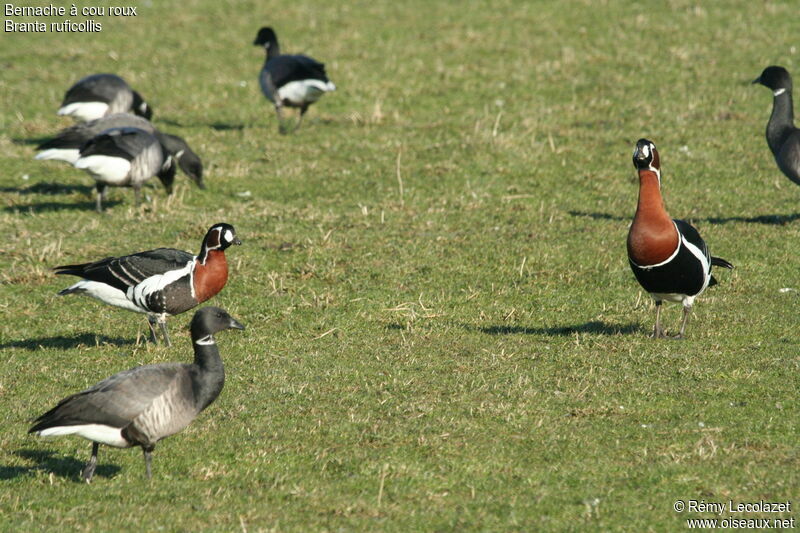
point(84, 111)
point(94, 432)
point(106, 294)
point(304, 91)
point(111, 170)
point(70, 155)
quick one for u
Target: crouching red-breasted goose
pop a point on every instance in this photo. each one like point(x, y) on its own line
point(668, 257)
point(290, 80)
point(783, 137)
point(161, 282)
point(99, 95)
point(141, 406)
point(67, 143)
point(125, 157)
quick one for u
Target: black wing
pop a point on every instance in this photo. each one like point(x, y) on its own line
point(95, 88)
point(126, 143)
point(116, 401)
point(129, 270)
point(288, 68)
point(76, 136)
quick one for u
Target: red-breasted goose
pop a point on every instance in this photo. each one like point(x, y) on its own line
point(290, 80)
point(141, 406)
point(161, 282)
point(668, 257)
point(99, 95)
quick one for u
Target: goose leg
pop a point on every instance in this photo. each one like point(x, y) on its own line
point(151, 321)
point(101, 195)
point(137, 194)
point(303, 110)
point(281, 124)
point(147, 460)
point(658, 332)
point(686, 312)
point(88, 470)
point(162, 323)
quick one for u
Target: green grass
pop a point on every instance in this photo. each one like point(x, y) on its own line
point(467, 352)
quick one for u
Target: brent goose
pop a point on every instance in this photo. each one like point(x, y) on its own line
point(66, 145)
point(782, 136)
point(125, 157)
point(99, 95)
point(290, 80)
point(141, 406)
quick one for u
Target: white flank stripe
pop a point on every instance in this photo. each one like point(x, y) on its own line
point(84, 111)
point(70, 155)
point(94, 432)
point(111, 170)
point(304, 91)
point(703, 261)
point(154, 284)
point(106, 294)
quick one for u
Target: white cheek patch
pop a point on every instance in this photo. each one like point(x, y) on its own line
point(228, 235)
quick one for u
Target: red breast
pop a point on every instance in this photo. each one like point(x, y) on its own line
point(653, 237)
point(210, 278)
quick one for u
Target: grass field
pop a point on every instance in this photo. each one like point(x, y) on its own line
point(443, 330)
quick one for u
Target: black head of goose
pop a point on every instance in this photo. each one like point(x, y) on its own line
point(99, 95)
point(783, 137)
point(141, 406)
point(159, 283)
point(67, 143)
point(125, 157)
point(290, 80)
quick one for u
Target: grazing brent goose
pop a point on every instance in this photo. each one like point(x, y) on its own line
point(125, 157)
point(66, 145)
point(782, 136)
point(99, 95)
point(668, 257)
point(158, 282)
point(290, 80)
point(141, 406)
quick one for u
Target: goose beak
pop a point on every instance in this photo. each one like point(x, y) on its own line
point(237, 241)
point(757, 80)
point(235, 324)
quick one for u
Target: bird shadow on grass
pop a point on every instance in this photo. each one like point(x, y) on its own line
point(67, 343)
point(597, 216)
point(68, 468)
point(773, 220)
point(49, 188)
point(594, 327)
point(46, 207)
point(219, 126)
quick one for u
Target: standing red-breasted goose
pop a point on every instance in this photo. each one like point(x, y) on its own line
point(668, 257)
point(159, 283)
